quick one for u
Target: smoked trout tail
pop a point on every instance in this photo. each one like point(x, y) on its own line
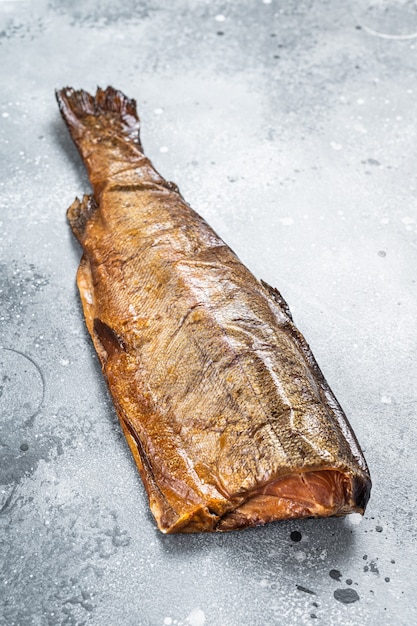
point(108, 111)
point(105, 129)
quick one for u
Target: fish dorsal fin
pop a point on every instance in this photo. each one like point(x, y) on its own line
point(276, 295)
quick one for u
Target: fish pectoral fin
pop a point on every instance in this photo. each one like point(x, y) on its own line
point(111, 342)
point(80, 213)
point(278, 298)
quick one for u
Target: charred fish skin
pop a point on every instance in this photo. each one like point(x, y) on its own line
point(227, 414)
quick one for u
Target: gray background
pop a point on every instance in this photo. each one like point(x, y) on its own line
point(291, 127)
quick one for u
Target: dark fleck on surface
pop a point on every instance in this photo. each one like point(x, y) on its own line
point(313, 616)
point(378, 528)
point(373, 567)
point(349, 581)
point(387, 579)
point(296, 535)
point(381, 253)
point(365, 557)
point(366, 568)
point(301, 588)
point(347, 596)
point(335, 574)
point(24, 447)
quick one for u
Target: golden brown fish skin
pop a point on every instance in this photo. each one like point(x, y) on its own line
point(227, 414)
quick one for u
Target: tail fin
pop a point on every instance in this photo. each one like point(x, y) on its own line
point(100, 125)
point(108, 110)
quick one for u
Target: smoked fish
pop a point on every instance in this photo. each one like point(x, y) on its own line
point(228, 416)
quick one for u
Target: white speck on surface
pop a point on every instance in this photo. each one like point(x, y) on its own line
point(267, 1)
point(158, 111)
point(300, 556)
point(163, 149)
point(64, 362)
point(335, 145)
point(286, 221)
point(196, 618)
point(385, 220)
point(354, 518)
point(220, 18)
point(263, 583)
point(360, 101)
point(385, 400)
point(168, 621)
point(407, 220)
point(5, 114)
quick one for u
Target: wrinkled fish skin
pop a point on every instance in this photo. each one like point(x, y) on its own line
point(227, 414)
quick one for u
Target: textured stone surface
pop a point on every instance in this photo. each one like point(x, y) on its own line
point(291, 127)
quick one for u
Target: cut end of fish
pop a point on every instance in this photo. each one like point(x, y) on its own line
point(322, 493)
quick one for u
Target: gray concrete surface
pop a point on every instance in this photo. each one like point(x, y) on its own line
point(291, 127)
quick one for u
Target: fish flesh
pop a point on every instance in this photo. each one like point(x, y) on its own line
point(228, 416)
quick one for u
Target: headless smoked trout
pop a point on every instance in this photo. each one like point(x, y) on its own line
point(226, 412)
